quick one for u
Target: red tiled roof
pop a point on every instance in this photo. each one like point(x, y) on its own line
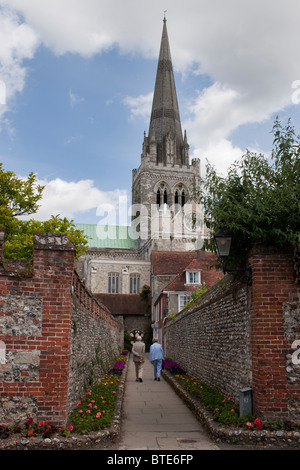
point(171, 262)
point(194, 264)
point(178, 284)
point(167, 263)
point(174, 262)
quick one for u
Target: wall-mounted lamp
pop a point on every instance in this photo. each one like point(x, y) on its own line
point(223, 243)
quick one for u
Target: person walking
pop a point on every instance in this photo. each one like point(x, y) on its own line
point(156, 357)
point(138, 351)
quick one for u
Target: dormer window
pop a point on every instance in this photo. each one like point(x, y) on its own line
point(193, 277)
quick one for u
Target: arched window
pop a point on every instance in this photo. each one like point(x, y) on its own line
point(165, 197)
point(182, 198)
point(176, 198)
point(113, 283)
point(134, 283)
point(158, 198)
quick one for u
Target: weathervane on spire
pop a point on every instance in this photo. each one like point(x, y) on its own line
point(165, 11)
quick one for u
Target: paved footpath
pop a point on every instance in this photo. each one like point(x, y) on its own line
point(154, 417)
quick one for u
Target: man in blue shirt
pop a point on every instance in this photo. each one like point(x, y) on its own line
point(156, 357)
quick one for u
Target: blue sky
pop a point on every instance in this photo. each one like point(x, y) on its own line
point(78, 80)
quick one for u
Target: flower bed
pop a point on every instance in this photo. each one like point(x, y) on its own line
point(96, 410)
point(93, 413)
point(33, 429)
point(223, 409)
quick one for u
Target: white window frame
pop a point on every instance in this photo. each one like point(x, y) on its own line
point(185, 298)
point(193, 277)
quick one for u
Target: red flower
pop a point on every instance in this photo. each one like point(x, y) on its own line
point(258, 424)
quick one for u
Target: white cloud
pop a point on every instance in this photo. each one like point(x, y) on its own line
point(216, 112)
point(17, 42)
point(140, 106)
point(250, 50)
point(211, 114)
point(73, 138)
point(74, 99)
point(220, 154)
point(249, 46)
point(70, 198)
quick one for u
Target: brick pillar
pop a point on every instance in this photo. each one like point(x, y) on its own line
point(53, 262)
point(273, 284)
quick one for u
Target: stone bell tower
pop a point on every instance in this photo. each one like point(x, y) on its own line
point(164, 208)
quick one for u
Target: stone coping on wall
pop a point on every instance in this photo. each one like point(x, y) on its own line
point(74, 441)
point(233, 435)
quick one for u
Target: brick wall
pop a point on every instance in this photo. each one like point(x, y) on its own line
point(212, 341)
point(275, 326)
point(96, 339)
point(38, 311)
point(247, 336)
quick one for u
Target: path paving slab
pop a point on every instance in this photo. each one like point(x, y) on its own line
point(155, 417)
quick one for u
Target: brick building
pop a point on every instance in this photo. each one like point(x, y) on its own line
point(174, 276)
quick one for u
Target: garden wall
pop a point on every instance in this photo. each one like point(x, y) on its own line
point(212, 341)
point(275, 333)
point(247, 336)
point(52, 333)
point(96, 339)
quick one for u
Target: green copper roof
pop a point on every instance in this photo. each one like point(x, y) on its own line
point(108, 236)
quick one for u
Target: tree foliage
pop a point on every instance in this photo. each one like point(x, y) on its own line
point(20, 197)
point(258, 200)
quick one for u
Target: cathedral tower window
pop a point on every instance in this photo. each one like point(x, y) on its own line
point(176, 200)
point(134, 284)
point(165, 197)
point(182, 198)
point(158, 198)
point(113, 283)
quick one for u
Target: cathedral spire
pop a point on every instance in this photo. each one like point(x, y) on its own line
point(165, 119)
